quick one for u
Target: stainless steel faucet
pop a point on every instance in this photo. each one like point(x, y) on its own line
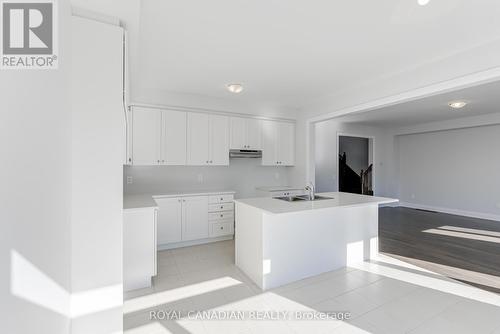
point(310, 188)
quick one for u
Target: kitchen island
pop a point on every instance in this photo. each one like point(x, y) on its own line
point(279, 241)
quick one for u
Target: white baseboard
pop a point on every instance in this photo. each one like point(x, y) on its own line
point(472, 214)
point(193, 242)
point(390, 205)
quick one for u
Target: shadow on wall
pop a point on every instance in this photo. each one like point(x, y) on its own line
point(32, 285)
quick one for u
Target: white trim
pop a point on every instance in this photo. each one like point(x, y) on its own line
point(209, 111)
point(472, 214)
point(194, 242)
point(372, 148)
point(95, 16)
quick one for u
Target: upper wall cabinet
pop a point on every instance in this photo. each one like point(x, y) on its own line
point(173, 143)
point(278, 143)
point(158, 137)
point(207, 139)
point(246, 133)
point(170, 137)
point(145, 136)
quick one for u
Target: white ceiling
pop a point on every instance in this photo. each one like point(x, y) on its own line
point(483, 99)
point(289, 53)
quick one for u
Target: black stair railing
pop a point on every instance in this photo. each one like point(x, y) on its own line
point(351, 182)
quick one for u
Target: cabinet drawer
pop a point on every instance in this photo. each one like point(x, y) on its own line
point(223, 215)
point(226, 198)
point(221, 228)
point(220, 207)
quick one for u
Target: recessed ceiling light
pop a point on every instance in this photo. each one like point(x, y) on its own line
point(235, 88)
point(457, 104)
point(423, 2)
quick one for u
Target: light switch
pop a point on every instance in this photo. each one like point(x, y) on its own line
point(200, 178)
point(277, 176)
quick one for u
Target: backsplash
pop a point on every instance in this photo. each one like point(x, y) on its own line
point(242, 176)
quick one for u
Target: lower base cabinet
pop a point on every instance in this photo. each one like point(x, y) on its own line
point(139, 247)
point(190, 218)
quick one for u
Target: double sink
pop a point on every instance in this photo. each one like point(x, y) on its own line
point(302, 198)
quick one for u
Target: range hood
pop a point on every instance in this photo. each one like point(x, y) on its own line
point(245, 154)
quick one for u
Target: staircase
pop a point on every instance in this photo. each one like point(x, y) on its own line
point(352, 182)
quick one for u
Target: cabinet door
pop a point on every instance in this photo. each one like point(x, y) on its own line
point(286, 144)
point(219, 140)
point(169, 220)
point(254, 134)
point(146, 132)
point(173, 143)
point(139, 247)
point(269, 145)
point(194, 217)
point(238, 133)
point(197, 139)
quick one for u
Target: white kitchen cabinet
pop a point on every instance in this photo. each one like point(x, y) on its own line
point(219, 140)
point(139, 247)
point(246, 133)
point(254, 134)
point(186, 220)
point(158, 137)
point(146, 136)
point(278, 143)
point(286, 144)
point(169, 220)
point(207, 139)
point(173, 143)
point(197, 139)
point(238, 136)
point(194, 218)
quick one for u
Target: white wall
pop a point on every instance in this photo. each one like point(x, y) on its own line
point(242, 176)
point(326, 159)
point(34, 196)
point(455, 170)
point(98, 145)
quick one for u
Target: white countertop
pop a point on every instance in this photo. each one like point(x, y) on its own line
point(137, 201)
point(339, 199)
point(278, 188)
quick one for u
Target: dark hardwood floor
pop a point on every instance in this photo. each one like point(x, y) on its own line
point(462, 248)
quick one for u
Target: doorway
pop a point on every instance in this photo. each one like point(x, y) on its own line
point(355, 164)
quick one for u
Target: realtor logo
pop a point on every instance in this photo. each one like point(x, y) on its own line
point(28, 34)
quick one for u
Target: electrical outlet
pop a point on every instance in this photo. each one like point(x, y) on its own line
point(200, 178)
point(130, 180)
point(412, 196)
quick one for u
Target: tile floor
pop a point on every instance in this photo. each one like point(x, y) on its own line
point(382, 296)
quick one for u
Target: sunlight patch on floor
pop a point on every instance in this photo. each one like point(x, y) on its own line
point(463, 235)
point(173, 295)
point(470, 230)
point(426, 279)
